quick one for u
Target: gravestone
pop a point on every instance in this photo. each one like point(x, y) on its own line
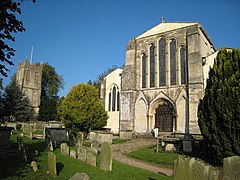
point(106, 157)
point(95, 146)
point(5, 133)
point(50, 146)
point(73, 154)
point(80, 176)
point(52, 167)
point(79, 139)
point(82, 153)
point(231, 168)
point(91, 158)
point(64, 149)
point(56, 135)
point(34, 166)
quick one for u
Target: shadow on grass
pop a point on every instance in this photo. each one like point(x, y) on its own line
point(12, 162)
point(60, 167)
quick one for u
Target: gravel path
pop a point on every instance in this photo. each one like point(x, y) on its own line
point(120, 149)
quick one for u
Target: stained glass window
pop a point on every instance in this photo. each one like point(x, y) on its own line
point(152, 65)
point(173, 62)
point(114, 99)
point(144, 70)
point(109, 102)
point(162, 62)
point(118, 102)
point(183, 65)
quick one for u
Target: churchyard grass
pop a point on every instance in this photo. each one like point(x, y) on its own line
point(39, 131)
point(148, 154)
point(66, 166)
point(118, 141)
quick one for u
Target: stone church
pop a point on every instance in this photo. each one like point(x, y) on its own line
point(162, 81)
point(29, 78)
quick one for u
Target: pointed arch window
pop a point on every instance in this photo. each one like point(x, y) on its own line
point(162, 62)
point(113, 99)
point(152, 65)
point(144, 70)
point(173, 62)
point(183, 65)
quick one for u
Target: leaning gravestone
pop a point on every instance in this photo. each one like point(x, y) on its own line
point(106, 157)
point(73, 154)
point(52, 167)
point(91, 158)
point(64, 149)
point(82, 153)
point(80, 176)
point(34, 166)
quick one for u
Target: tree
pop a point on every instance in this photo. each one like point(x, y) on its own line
point(9, 25)
point(51, 85)
point(81, 109)
point(219, 111)
point(16, 104)
point(100, 78)
point(1, 102)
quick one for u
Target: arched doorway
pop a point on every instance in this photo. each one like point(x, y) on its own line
point(164, 118)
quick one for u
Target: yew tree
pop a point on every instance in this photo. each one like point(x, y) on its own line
point(219, 111)
point(81, 109)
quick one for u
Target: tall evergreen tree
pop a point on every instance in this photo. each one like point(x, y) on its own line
point(51, 85)
point(219, 111)
point(16, 104)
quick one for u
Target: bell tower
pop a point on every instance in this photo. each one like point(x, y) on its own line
point(29, 77)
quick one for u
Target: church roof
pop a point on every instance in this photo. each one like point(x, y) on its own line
point(164, 27)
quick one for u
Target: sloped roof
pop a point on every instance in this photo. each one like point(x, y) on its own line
point(164, 27)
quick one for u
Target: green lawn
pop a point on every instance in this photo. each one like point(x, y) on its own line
point(13, 167)
point(162, 159)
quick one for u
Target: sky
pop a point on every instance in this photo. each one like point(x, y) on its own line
point(82, 38)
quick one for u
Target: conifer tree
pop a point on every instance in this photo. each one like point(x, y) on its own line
point(81, 109)
point(16, 104)
point(219, 111)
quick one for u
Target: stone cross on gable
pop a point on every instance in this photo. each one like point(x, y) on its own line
point(162, 19)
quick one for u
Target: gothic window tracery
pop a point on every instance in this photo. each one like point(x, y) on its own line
point(113, 99)
point(144, 70)
point(183, 65)
point(162, 62)
point(152, 65)
point(173, 62)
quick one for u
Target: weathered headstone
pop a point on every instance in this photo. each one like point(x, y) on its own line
point(56, 135)
point(95, 146)
point(73, 154)
point(231, 168)
point(82, 153)
point(34, 165)
point(79, 139)
point(80, 176)
point(106, 157)
point(91, 158)
point(50, 146)
point(64, 149)
point(52, 164)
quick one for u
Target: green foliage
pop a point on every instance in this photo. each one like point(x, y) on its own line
point(82, 110)
point(51, 85)
point(16, 104)
point(219, 111)
point(9, 9)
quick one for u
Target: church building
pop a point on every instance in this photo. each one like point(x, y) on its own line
point(29, 78)
point(162, 81)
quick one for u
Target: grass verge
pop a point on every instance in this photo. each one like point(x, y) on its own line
point(148, 154)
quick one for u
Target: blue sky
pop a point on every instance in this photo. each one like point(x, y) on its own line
point(82, 38)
